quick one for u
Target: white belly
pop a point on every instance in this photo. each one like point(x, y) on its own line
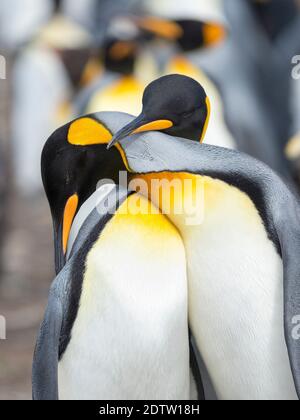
point(235, 296)
point(237, 320)
point(130, 338)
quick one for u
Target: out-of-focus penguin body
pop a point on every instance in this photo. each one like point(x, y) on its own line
point(117, 88)
point(41, 86)
point(252, 86)
point(20, 20)
point(96, 15)
point(292, 148)
point(197, 31)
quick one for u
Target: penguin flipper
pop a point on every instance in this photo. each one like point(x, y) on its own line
point(289, 237)
point(46, 355)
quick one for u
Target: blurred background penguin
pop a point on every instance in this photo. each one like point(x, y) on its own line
point(181, 32)
point(117, 87)
point(45, 74)
point(264, 38)
point(219, 41)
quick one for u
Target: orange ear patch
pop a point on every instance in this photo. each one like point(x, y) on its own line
point(69, 214)
point(87, 131)
point(213, 33)
point(208, 106)
point(122, 49)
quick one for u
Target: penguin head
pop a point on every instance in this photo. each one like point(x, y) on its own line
point(57, 5)
point(74, 160)
point(174, 104)
point(119, 55)
point(197, 34)
point(274, 15)
point(189, 34)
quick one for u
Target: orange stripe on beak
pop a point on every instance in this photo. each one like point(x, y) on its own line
point(69, 214)
point(154, 126)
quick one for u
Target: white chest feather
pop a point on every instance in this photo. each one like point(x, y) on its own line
point(236, 296)
point(132, 316)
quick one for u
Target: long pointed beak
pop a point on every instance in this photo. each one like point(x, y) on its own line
point(60, 258)
point(62, 232)
point(127, 130)
point(140, 125)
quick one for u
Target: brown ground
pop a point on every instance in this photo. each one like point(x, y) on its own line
point(27, 273)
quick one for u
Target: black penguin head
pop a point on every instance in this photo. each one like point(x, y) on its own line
point(197, 34)
point(72, 165)
point(57, 4)
point(189, 34)
point(176, 104)
point(119, 55)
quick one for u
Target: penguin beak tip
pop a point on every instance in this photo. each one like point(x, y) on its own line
point(111, 144)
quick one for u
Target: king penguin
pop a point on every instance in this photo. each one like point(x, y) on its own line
point(116, 325)
point(192, 29)
point(237, 321)
point(242, 242)
point(116, 88)
point(234, 66)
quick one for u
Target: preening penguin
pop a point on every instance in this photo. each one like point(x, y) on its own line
point(242, 250)
point(183, 110)
point(72, 164)
point(118, 307)
point(116, 323)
